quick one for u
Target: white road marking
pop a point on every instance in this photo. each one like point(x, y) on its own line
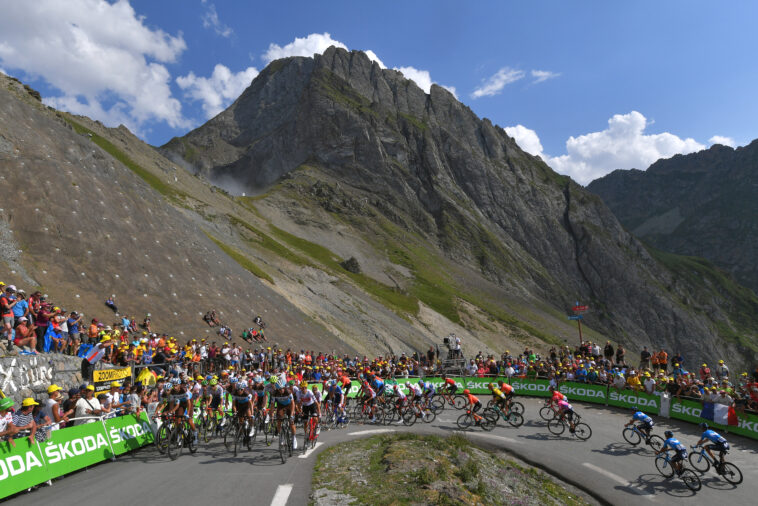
point(492, 436)
point(308, 452)
point(281, 495)
point(618, 479)
point(375, 431)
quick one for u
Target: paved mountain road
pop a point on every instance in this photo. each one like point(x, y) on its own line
point(608, 466)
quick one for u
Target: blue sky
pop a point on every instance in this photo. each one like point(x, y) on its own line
point(589, 86)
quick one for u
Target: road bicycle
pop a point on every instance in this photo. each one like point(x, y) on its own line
point(558, 425)
point(163, 433)
point(456, 401)
point(311, 433)
point(362, 413)
point(664, 466)
point(242, 436)
point(207, 424)
point(285, 439)
point(634, 436)
point(181, 436)
point(469, 418)
point(702, 462)
point(515, 406)
point(549, 411)
point(514, 418)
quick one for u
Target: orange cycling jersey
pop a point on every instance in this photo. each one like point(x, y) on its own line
point(506, 388)
point(450, 381)
point(472, 399)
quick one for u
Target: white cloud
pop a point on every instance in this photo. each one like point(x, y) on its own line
point(526, 138)
point(315, 43)
point(95, 53)
point(211, 20)
point(219, 90)
point(623, 145)
point(421, 77)
point(372, 56)
point(720, 139)
point(495, 83)
point(543, 75)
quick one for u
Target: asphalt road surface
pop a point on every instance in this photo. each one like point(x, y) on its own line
point(605, 466)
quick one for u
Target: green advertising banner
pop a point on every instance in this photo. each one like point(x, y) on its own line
point(21, 466)
point(689, 411)
point(584, 392)
point(128, 432)
point(535, 387)
point(650, 404)
point(68, 450)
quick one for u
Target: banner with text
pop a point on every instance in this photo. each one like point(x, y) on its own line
point(102, 378)
point(689, 411)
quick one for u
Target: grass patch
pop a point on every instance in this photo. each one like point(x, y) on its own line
point(241, 259)
point(177, 196)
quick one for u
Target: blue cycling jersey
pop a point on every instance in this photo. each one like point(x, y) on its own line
point(428, 387)
point(642, 417)
point(377, 384)
point(674, 444)
point(337, 390)
point(713, 437)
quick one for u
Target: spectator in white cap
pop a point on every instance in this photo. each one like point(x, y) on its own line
point(25, 335)
point(22, 306)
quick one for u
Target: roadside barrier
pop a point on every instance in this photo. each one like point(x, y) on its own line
point(67, 450)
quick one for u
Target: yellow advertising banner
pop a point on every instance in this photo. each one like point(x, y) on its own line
point(102, 375)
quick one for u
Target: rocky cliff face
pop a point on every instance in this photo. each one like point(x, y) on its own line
point(704, 204)
point(335, 139)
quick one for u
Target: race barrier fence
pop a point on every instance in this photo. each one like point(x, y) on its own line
point(67, 450)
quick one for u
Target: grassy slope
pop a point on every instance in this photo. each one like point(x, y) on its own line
point(411, 469)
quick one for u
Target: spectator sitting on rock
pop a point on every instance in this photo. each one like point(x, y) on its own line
point(111, 303)
point(25, 335)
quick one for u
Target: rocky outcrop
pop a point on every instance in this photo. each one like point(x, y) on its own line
point(702, 204)
point(429, 165)
point(29, 376)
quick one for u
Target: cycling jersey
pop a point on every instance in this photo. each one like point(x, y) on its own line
point(428, 388)
point(713, 437)
point(497, 393)
point(416, 390)
point(557, 396)
point(642, 417)
point(675, 445)
point(565, 406)
point(282, 398)
point(369, 392)
point(450, 381)
point(400, 394)
point(506, 388)
point(472, 399)
point(242, 398)
point(306, 398)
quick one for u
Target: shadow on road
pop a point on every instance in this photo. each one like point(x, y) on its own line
point(618, 449)
point(654, 483)
point(544, 437)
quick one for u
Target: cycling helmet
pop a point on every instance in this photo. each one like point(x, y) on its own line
point(490, 386)
point(214, 382)
point(668, 434)
point(704, 426)
point(466, 391)
point(420, 381)
point(396, 387)
point(635, 409)
point(281, 383)
point(232, 380)
point(205, 382)
point(408, 384)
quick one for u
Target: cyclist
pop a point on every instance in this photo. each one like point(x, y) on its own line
point(377, 384)
point(508, 391)
point(400, 401)
point(415, 392)
point(180, 403)
point(674, 444)
point(369, 398)
point(243, 406)
point(285, 405)
point(718, 442)
point(473, 403)
point(450, 385)
point(645, 423)
point(427, 390)
point(337, 398)
point(567, 412)
point(309, 405)
point(498, 397)
point(347, 384)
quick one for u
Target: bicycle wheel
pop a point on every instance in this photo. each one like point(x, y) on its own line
point(459, 402)
point(517, 407)
point(582, 431)
point(556, 426)
point(239, 435)
point(547, 413)
point(409, 417)
point(731, 473)
point(229, 434)
point(437, 405)
point(191, 442)
point(487, 424)
point(700, 462)
point(663, 466)
point(283, 436)
point(162, 438)
point(175, 442)
point(656, 442)
point(690, 479)
point(251, 439)
point(464, 421)
point(492, 415)
point(516, 419)
point(428, 415)
point(631, 436)
point(209, 430)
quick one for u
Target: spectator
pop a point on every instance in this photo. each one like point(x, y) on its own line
point(52, 408)
point(704, 372)
point(42, 321)
point(7, 303)
point(722, 371)
point(644, 358)
point(663, 361)
point(723, 398)
point(22, 306)
point(7, 429)
point(649, 384)
point(620, 352)
point(25, 335)
point(94, 356)
point(87, 406)
point(111, 303)
point(74, 332)
point(608, 351)
point(69, 405)
point(23, 419)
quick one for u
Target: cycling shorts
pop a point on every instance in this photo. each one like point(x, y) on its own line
point(678, 456)
point(476, 407)
point(215, 402)
point(452, 388)
point(719, 447)
point(309, 410)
